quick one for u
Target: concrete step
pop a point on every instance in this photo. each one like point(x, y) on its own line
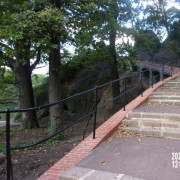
point(155, 132)
point(164, 101)
point(168, 97)
point(169, 89)
point(172, 84)
point(144, 122)
point(81, 173)
point(173, 81)
point(166, 93)
point(172, 117)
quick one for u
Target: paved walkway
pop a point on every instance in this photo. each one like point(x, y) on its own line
point(125, 158)
point(145, 157)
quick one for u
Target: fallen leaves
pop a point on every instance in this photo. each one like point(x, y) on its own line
point(156, 104)
point(102, 147)
point(121, 133)
point(103, 162)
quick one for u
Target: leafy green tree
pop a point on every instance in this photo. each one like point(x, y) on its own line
point(56, 21)
point(16, 52)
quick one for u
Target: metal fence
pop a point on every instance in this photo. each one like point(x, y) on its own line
point(122, 96)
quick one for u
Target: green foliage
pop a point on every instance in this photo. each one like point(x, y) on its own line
point(174, 39)
point(147, 40)
point(57, 138)
point(40, 83)
point(85, 58)
point(127, 55)
point(104, 79)
point(8, 88)
point(2, 148)
point(6, 106)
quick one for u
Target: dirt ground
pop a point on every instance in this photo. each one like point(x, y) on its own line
point(31, 164)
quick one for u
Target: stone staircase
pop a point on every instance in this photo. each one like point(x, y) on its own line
point(158, 124)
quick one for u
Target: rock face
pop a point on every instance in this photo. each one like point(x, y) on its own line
point(83, 80)
point(2, 158)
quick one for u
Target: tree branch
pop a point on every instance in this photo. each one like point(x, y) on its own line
point(8, 60)
point(4, 45)
point(37, 60)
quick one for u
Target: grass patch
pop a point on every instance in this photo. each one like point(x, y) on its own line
point(7, 106)
point(2, 148)
point(3, 130)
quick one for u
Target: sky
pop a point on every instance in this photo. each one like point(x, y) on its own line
point(45, 70)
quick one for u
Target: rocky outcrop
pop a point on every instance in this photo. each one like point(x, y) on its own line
point(164, 52)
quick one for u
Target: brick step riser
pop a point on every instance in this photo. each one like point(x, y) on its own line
point(154, 133)
point(150, 124)
point(175, 117)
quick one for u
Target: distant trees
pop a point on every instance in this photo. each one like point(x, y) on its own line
point(159, 15)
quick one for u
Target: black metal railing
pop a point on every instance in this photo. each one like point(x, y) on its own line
point(94, 111)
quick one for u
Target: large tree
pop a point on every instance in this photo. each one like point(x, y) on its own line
point(57, 21)
point(16, 53)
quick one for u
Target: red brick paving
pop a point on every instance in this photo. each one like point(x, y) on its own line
point(102, 133)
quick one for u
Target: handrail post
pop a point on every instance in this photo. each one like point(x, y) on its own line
point(8, 151)
point(124, 93)
point(95, 113)
point(141, 83)
point(152, 78)
point(163, 71)
point(171, 69)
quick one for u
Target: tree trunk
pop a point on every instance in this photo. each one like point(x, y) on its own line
point(56, 112)
point(114, 70)
point(26, 96)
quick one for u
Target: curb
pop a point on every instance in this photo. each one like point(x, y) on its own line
point(102, 133)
